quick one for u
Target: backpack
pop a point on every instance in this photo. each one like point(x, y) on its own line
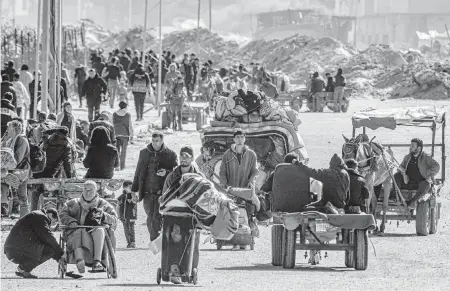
point(139, 86)
point(38, 158)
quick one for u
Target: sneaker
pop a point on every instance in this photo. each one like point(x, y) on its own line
point(81, 266)
point(24, 274)
point(97, 267)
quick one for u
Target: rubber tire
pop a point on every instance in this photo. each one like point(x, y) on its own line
point(349, 255)
point(194, 276)
point(433, 220)
point(277, 245)
point(158, 276)
point(361, 249)
point(289, 249)
point(218, 245)
point(422, 218)
point(164, 120)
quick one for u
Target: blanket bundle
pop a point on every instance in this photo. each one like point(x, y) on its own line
point(252, 107)
point(197, 196)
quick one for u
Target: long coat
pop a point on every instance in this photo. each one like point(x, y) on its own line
point(30, 235)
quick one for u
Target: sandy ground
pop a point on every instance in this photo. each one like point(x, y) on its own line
point(402, 260)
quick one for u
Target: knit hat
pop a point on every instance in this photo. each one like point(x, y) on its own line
point(187, 150)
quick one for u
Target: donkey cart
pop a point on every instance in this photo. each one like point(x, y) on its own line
point(313, 231)
point(394, 207)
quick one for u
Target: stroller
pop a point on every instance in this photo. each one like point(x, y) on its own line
point(179, 240)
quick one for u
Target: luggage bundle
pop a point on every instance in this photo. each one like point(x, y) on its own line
point(245, 106)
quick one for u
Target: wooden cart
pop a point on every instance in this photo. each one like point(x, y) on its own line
point(195, 111)
point(427, 212)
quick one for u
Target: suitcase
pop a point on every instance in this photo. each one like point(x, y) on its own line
point(178, 252)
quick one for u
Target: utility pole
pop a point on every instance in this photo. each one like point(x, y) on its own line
point(36, 61)
point(198, 43)
point(210, 15)
point(58, 16)
point(45, 52)
point(130, 13)
point(158, 99)
point(144, 33)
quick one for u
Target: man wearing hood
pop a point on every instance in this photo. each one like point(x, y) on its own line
point(103, 120)
point(140, 83)
point(359, 192)
point(335, 182)
point(94, 88)
point(155, 162)
point(7, 86)
point(238, 169)
point(59, 155)
point(124, 131)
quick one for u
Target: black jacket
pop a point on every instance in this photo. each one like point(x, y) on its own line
point(8, 113)
point(8, 87)
point(93, 88)
point(358, 189)
point(152, 161)
point(101, 161)
point(107, 125)
point(30, 235)
point(59, 154)
point(125, 61)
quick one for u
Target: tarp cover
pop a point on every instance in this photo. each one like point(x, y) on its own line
point(390, 118)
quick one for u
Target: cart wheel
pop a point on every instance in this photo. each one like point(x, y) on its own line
point(277, 243)
point(361, 249)
point(433, 220)
point(289, 249)
point(158, 276)
point(348, 238)
point(194, 276)
point(165, 119)
point(422, 218)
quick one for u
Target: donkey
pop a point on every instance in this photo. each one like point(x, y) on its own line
point(372, 166)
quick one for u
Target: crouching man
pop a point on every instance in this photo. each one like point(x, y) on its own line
point(335, 182)
point(417, 171)
point(31, 243)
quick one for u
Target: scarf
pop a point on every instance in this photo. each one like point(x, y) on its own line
point(86, 205)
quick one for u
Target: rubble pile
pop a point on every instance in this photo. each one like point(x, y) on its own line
point(212, 46)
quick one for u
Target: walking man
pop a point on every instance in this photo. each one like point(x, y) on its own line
point(94, 89)
point(123, 128)
point(339, 90)
point(155, 162)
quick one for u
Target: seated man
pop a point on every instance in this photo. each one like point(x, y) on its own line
point(85, 246)
point(417, 171)
point(31, 243)
point(358, 189)
point(267, 186)
point(335, 181)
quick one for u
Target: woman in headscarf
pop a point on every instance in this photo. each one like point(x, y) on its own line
point(66, 118)
point(102, 157)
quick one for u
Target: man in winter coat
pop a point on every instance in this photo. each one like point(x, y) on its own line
point(339, 85)
point(111, 74)
point(417, 171)
point(103, 120)
point(359, 192)
point(9, 70)
point(123, 127)
point(8, 111)
point(124, 60)
point(80, 77)
point(155, 162)
point(7, 86)
point(31, 243)
point(98, 65)
point(238, 169)
point(335, 182)
point(94, 88)
point(59, 157)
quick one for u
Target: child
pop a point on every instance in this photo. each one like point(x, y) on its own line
point(128, 213)
point(123, 91)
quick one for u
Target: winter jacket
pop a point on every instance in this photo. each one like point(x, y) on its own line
point(123, 126)
point(139, 74)
point(335, 181)
point(107, 125)
point(72, 128)
point(8, 113)
point(81, 135)
point(98, 66)
point(101, 161)
point(330, 85)
point(125, 61)
point(235, 174)
point(270, 90)
point(317, 85)
point(30, 235)
point(23, 98)
point(93, 88)
point(133, 65)
point(80, 75)
point(358, 189)
point(7, 86)
point(149, 162)
point(127, 209)
point(59, 157)
point(428, 167)
point(10, 72)
point(112, 72)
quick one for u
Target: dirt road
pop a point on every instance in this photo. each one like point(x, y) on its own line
point(403, 261)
